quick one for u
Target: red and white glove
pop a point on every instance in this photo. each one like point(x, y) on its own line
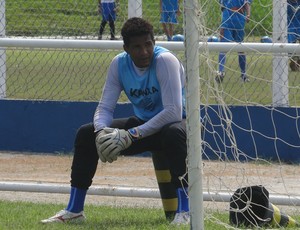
point(111, 142)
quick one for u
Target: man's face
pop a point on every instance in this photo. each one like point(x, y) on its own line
point(140, 49)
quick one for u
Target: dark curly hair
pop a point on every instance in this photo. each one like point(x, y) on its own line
point(136, 27)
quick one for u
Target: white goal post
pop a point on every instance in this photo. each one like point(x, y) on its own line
point(193, 126)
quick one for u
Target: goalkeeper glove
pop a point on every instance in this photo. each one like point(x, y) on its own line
point(101, 133)
point(112, 143)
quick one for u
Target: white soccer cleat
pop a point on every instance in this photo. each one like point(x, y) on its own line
point(181, 218)
point(65, 216)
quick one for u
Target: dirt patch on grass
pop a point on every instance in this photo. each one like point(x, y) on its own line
point(48, 168)
point(139, 172)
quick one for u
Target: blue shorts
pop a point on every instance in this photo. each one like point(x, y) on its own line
point(169, 17)
point(108, 11)
point(232, 35)
point(293, 35)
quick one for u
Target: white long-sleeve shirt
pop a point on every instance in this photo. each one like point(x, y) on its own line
point(171, 77)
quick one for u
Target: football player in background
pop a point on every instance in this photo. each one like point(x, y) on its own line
point(235, 14)
point(169, 11)
point(107, 9)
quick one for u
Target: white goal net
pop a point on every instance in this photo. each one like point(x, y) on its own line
point(247, 103)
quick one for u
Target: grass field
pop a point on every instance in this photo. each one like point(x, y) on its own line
point(80, 75)
point(27, 216)
point(80, 18)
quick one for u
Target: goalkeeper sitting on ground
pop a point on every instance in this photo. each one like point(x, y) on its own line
point(153, 80)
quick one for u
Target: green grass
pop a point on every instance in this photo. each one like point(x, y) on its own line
point(25, 215)
point(80, 18)
point(80, 75)
point(56, 75)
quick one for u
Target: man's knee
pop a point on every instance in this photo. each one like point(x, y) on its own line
point(85, 133)
point(173, 133)
point(126, 123)
point(176, 126)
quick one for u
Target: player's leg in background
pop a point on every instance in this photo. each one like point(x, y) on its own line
point(222, 61)
point(242, 62)
point(224, 36)
point(238, 36)
point(106, 9)
point(111, 20)
point(172, 22)
point(164, 22)
point(294, 60)
point(101, 30)
point(165, 29)
point(171, 31)
point(112, 29)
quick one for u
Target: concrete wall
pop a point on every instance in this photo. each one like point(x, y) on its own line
point(50, 126)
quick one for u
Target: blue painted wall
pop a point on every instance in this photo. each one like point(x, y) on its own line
point(267, 133)
point(50, 126)
point(45, 126)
